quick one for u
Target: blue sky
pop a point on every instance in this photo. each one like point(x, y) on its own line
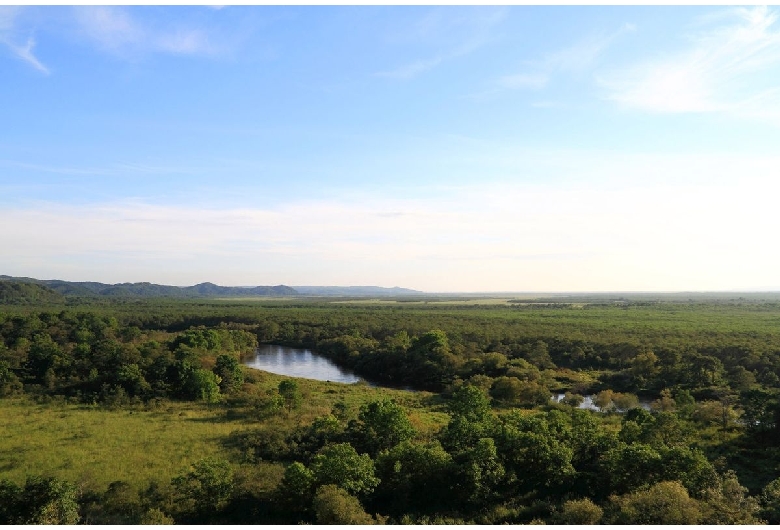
point(436, 148)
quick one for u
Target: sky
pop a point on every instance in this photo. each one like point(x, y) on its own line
point(445, 149)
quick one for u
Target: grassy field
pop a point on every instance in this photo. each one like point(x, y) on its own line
point(94, 446)
point(99, 446)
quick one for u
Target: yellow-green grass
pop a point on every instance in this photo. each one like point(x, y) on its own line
point(94, 446)
point(424, 302)
point(98, 446)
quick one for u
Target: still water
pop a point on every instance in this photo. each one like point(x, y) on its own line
point(297, 362)
point(587, 403)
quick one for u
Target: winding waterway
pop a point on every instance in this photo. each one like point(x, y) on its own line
point(298, 362)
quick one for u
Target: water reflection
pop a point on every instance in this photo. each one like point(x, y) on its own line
point(297, 362)
point(588, 404)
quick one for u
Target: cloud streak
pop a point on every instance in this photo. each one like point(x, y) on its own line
point(455, 36)
point(115, 30)
point(729, 67)
point(575, 59)
point(24, 51)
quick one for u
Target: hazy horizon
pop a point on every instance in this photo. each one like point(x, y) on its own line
point(441, 149)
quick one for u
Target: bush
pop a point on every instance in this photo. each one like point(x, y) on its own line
point(333, 505)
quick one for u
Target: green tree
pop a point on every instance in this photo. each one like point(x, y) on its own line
point(380, 425)
point(603, 400)
point(479, 472)
point(341, 465)
point(629, 467)
point(290, 393)
point(644, 369)
point(624, 402)
point(46, 501)
point(9, 383)
point(579, 512)
point(470, 402)
point(44, 358)
point(729, 503)
point(770, 502)
point(333, 505)
point(155, 516)
point(228, 369)
point(536, 452)
point(573, 400)
point(413, 477)
point(506, 389)
point(208, 485)
point(204, 385)
point(431, 363)
point(662, 503)
point(132, 380)
point(296, 489)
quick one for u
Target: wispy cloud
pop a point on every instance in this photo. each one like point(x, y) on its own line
point(730, 66)
point(455, 35)
point(517, 81)
point(115, 30)
point(25, 53)
point(574, 59)
point(411, 70)
point(8, 16)
point(583, 55)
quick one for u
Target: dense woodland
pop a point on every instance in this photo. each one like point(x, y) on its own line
point(476, 438)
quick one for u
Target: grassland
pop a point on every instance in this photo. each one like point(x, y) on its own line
point(94, 445)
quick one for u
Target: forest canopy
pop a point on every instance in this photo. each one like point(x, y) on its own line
point(685, 392)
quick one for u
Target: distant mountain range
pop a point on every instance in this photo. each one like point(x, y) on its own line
point(365, 290)
point(148, 290)
point(21, 288)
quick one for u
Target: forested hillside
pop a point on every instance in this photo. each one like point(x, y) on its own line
point(14, 292)
point(150, 290)
point(480, 440)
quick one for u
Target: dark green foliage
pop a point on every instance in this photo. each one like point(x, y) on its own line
point(291, 395)
point(536, 450)
point(16, 292)
point(380, 425)
point(9, 382)
point(341, 465)
point(579, 512)
point(770, 502)
point(664, 503)
point(333, 505)
point(207, 486)
point(469, 402)
point(728, 502)
point(296, 490)
point(228, 369)
point(203, 385)
point(414, 477)
point(478, 473)
point(41, 501)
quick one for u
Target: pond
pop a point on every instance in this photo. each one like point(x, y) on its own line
point(588, 404)
point(298, 362)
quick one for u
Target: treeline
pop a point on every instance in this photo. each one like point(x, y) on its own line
point(91, 358)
